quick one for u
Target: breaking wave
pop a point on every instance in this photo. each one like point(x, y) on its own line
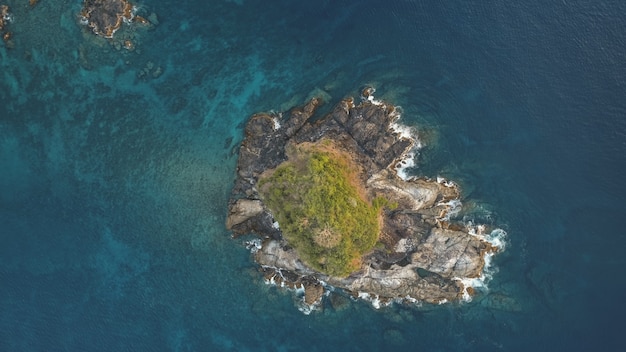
point(497, 239)
point(407, 160)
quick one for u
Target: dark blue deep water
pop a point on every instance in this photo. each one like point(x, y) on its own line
point(116, 167)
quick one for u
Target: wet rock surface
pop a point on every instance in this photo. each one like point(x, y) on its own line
point(421, 255)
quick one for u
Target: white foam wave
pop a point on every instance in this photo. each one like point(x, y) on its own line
point(377, 303)
point(276, 123)
point(407, 160)
point(404, 164)
point(445, 182)
point(133, 12)
point(497, 238)
point(254, 245)
point(271, 280)
point(307, 309)
point(374, 101)
point(276, 117)
point(374, 300)
point(477, 283)
point(404, 131)
point(368, 94)
point(409, 299)
point(475, 230)
point(298, 291)
point(454, 207)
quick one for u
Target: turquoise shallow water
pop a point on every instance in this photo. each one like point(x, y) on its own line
point(114, 184)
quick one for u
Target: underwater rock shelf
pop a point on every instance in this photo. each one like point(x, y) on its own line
point(297, 173)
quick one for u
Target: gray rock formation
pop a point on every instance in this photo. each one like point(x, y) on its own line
point(451, 254)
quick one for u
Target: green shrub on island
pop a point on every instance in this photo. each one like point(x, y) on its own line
point(320, 211)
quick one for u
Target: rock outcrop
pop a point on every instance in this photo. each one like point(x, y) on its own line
point(120, 24)
point(106, 16)
point(421, 255)
point(5, 18)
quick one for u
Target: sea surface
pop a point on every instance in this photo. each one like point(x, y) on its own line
point(116, 167)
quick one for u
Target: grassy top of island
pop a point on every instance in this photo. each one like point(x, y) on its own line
point(322, 208)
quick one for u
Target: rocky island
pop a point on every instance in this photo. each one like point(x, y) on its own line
point(105, 17)
point(325, 199)
point(117, 22)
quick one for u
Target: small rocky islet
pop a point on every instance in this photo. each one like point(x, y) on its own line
point(5, 19)
point(106, 17)
point(418, 254)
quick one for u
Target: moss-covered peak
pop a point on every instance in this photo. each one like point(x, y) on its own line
point(316, 199)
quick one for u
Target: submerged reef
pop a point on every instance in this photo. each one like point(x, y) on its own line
point(326, 199)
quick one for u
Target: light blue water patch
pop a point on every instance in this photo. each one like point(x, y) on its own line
point(118, 264)
point(234, 94)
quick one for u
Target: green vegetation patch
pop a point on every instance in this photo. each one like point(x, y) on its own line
point(321, 213)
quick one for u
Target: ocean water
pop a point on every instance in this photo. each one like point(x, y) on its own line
point(114, 179)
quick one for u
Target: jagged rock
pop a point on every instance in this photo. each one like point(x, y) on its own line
point(313, 291)
point(242, 210)
point(451, 254)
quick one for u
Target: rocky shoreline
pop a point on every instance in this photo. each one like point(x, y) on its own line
point(420, 255)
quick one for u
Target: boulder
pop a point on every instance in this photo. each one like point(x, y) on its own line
point(451, 254)
point(313, 291)
point(242, 210)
